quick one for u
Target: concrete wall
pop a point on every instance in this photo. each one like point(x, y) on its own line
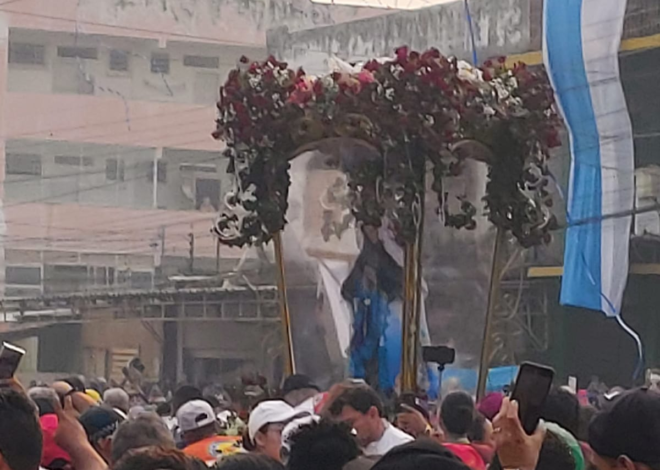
point(100, 337)
point(239, 22)
point(501, 27)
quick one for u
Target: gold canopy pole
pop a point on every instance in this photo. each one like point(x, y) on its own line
point(412, 301)
point(493, 298)
point(284, 304)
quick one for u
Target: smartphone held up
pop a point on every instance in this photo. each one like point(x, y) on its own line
point(10, 358)
point(531, 391)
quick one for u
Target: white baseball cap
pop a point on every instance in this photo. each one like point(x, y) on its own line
point(271, 412)
point(194, 415)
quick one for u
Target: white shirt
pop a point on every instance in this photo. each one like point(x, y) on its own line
point(391, 438)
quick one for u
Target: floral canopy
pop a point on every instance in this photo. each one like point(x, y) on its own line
point(414, 113)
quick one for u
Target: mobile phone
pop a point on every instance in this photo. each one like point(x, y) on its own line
point(10, 358)
point(530, 391)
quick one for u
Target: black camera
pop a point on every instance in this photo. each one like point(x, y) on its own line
point(441, 355)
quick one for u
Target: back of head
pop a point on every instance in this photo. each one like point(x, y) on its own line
point(157, 458)
point(117, 398)
point(457, 412)
point(44, 398)
point(77, 382)
point(20, 432)
point(324, 445)
point(297, 388)
point(630, 426)
point(555, 454)
point(422, 454)
point(146, 430)
point(248, 462)
point(183, 395)
point(360, 397)
point(562, 408)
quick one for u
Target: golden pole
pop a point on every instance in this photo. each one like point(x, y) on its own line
point(412, 301)
point(493, 298)
point(284, 304)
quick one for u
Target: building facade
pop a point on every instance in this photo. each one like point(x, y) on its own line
point(110, 177)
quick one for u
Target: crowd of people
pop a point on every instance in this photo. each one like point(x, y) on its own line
point(68, 426)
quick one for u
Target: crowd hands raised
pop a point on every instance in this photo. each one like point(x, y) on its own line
point(66, 426)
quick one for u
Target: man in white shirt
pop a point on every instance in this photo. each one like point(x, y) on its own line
point(361, 408)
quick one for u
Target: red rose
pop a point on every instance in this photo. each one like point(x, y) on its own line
point(372, 66)
point(501, 59)
point(244, 60)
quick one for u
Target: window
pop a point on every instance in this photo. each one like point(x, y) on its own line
point(160, 62)
point(29, 276)
point(77, 52)
point(201, 61)
point(114, 169)
point(207, 194)
point(141, 280)
point(73, 161)
point(161, 169)
point(29, 54)
point(23, 164)
point(118, 61)
point(192, 168)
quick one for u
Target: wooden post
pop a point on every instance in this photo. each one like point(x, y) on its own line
point(493, 298)
point(412, 301)
point(290, 364)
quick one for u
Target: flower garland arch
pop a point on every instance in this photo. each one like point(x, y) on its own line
point(416, 112)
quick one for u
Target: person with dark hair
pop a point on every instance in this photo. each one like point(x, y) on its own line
point(144, 431)
point(587, 413)
point(362, 409)
point(20, 432)
point(299, 388)
point(457, 413)
point(626, 435)
point(249, 462)
point(158, 458)
point(422, 454)
point(183, 395)
point(324, 445)
point(100, 424)
point(563, 408)
point(77, 383)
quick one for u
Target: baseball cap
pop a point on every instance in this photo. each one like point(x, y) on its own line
point(271, 412)
point(100, 422)
point(630, 427)
point(194, 415)
point(298, 382)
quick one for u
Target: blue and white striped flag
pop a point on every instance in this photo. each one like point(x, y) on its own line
point(580, 47)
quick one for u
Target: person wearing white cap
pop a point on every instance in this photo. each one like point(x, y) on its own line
point(265, 426)
point(199, 428)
